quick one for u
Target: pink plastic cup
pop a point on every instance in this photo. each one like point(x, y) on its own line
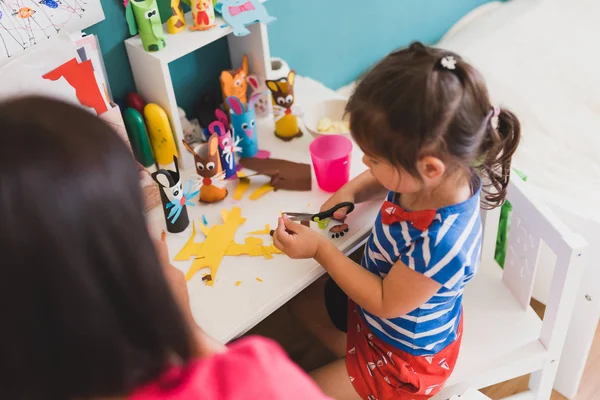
point(331, 160)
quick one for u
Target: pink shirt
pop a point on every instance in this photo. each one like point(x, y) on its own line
point(253, 368)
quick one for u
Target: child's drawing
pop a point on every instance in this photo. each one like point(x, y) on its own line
point(25, 23)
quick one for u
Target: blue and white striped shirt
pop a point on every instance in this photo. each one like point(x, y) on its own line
point(447, 252)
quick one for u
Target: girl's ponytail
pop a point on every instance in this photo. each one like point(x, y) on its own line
point(502, 136)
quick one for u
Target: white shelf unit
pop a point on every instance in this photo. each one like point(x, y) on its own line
point(151, 69)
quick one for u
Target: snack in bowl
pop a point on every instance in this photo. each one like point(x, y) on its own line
point(326, 125)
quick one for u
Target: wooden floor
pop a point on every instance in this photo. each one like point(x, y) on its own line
point(304, 349)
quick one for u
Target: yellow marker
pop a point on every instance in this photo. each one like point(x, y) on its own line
point(161, 136)
point(238, 283)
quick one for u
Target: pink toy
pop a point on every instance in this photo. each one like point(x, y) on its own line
point(331, 161)
point(227, 146)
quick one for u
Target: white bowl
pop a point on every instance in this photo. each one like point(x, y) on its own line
point(332, 109)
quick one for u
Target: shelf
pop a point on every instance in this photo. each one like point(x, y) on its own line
point(184, 42)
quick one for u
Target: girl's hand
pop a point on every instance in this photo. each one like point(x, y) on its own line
point(296, 240)
point(342, 195)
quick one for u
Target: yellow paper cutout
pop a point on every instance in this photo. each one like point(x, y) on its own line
point(238, 283)
point(241, 187)
point(266, 231)
point(261, 191)
point(190, 248)
point(258, 279)
point(204, 228)
point(224, 214)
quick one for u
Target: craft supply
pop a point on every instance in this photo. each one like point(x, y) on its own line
point(338, 231)
point(238, 283)
point(243, 120)
point(208, 167)
point(261, 107)
point(259, 280)
point(286, 175)
point(261, 191)
point(176, 22)
point(331, 160)
point(192, 132)
point(233, 83)
point(227, 146)
point(174, 197)
point(147, 21)
point(161, 136)
point(326, 125)
point(203, 14)
point(138, 137)
point(322, 218)
point(136, 102)
point(265, 231)
point(286, 117)
point(239, 13)
point(242, 186)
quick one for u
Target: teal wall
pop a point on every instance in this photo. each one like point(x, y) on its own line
point(332, 41)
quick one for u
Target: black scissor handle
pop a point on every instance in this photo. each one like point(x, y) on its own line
point(329, 213)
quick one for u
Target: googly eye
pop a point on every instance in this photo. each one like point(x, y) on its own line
point(200, 166)
point(252, 123)
point(238, 83)
point(210, 166)
point(226, 142)
point(281, 101)
point(289, 99)
point(151, 13)
point(176, 192)
point(245, 126)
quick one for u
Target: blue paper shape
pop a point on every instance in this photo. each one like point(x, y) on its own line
point(240, 13)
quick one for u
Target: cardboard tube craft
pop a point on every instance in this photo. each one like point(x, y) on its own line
point(227, 146)
point(143, 16)
point(243, 119)
point(286, 115)
point(208, 167)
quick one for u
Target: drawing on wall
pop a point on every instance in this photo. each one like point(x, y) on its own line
point(25, 23)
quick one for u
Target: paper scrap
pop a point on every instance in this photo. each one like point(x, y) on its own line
point(258, 279)
point(238, 283)
point(242, 186)
point(265, 231)
point(261, 191)
point(284, 174)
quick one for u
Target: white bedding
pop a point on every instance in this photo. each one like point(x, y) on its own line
point(541, 58)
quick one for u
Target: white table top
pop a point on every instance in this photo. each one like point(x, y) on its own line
point(225, 310)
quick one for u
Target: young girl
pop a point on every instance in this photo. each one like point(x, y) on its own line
point(86, 310)
point(429, 134)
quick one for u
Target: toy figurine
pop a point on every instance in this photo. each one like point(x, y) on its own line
point(174, 198)
point(204, 15)
point(227, 146)
point(261, 108)
point(208, 166)
point(286, 120)
point(243, 120)
point(233, 83)
point(192, 132)
point(143, 16)
point(239, 13)
point(176, 23)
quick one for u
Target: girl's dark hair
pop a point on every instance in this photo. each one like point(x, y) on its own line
point(86, 310)
point(410, 105)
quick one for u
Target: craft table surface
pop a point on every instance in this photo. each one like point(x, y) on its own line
point(225, 310)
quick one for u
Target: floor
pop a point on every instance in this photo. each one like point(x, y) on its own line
point(305, 350)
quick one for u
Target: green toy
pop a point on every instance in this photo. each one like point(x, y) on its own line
point(138, 137)
point(143, 16)
point(503, 228)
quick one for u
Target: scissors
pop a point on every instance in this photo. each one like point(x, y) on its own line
point(322, 218)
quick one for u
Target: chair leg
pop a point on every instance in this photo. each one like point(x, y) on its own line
point(542, 381)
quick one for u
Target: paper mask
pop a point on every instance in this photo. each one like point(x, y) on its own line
point(243, 120)
point(239, 13)
point(227, 146)
point(203, 14)
point(286, 122)
point(208, 167)
point(233, 83)
point(174, 198)
point(146, 20)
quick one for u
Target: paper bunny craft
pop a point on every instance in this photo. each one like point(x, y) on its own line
point(208, 167)
point(174, 197)
point(233, 83)
point(239, 13)
point(261, 107)
point(286, 115)
point(227, 146)
point(243, 120)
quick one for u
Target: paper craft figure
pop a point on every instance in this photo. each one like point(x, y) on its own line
point(286, 120)
point(227, 146)
point(174, 197)
point(138, 137)
point(176, 23)
point(81, 77)
point(233, 83)
point(208, 166)
point(261, 108)
point(286, 175)
point(204, 15)
point(192, 132)
point(240, 13)
point(161, 135)
point(243, 120)
point(143, 16)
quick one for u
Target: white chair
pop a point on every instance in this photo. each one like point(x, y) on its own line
point(503, 337)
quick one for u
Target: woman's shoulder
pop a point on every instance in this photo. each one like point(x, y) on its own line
point(252, 368)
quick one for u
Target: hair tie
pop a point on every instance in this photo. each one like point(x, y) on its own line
point(495, 117)
point(448, 62)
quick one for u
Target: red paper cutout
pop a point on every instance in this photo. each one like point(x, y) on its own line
point(81, 77)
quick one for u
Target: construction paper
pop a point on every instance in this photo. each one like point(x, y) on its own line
point(261, 191)
point(239, 13)
point(208, 167)
point(176, 22)
point(174, 197)
point(259, 280)
point(90, 47)
point(238, 283)
point(148, 24)
point(252, 247)
point(227, 145)
point(161, 136)
point(286, 121)
point(241, 188)
point(203, 15)
point(265, 231)
point(81, 77)
point(284, 174)
point(233, 83)
point(189, 248)
point(24, 25)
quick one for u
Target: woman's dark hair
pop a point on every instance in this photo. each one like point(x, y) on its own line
point(86, 310)
point(411, 105)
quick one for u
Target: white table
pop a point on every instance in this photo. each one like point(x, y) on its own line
point(225, 310)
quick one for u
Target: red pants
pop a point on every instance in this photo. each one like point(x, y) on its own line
point(379, 371)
